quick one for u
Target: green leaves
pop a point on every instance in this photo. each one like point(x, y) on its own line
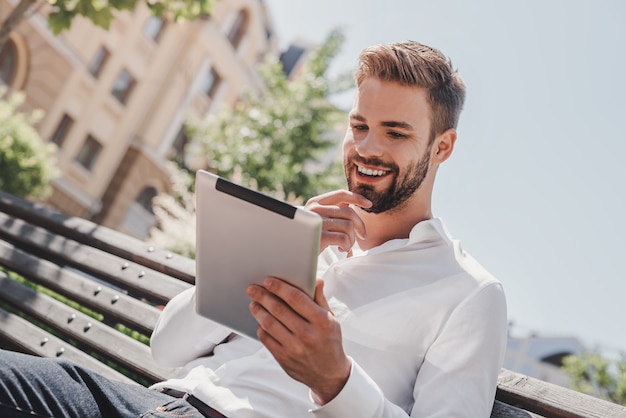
point(596, 375)
point(283, 141)
point(101, 12)
point(181, 9)
point(279, 140)
point(26, 163)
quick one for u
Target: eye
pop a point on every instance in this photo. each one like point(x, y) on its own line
point(359, 127)
point(396, 135)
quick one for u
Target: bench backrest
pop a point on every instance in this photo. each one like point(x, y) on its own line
point(112, 286)
point(98, 294)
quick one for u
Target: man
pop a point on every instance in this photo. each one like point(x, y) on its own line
point(403, 322)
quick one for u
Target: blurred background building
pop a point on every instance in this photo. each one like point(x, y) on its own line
point(116, 100)
point(541, 357)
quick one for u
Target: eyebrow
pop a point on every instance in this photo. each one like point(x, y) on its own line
point(390, 124)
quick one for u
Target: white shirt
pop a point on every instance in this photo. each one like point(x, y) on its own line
point(424, 324)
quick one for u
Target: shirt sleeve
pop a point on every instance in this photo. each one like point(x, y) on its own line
point(458, 377)
point(181, 335)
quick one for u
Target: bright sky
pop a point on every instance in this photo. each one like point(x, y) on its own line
point(534, 189)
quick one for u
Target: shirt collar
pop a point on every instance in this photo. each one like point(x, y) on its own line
point(424, 232)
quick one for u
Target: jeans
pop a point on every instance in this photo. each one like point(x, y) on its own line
point(37, 387)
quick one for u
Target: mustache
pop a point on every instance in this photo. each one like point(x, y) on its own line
point(372, 161)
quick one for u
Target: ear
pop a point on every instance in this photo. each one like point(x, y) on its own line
point(443, 146)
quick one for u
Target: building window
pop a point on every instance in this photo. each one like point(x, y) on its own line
point(123, 86)
point(291, 58)
point(63, 128)
point(238, 28)
point(211, 82)
point(140, 216)
point(88, 154)
point(154, 27)
point(145, 198)
point(8, 62)
point(177, 152)
point(98, 60)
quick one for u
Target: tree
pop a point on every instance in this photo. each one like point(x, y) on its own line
point(100, 12)
point(276, 140)
point(272, 141)
point(175, 213)
point(593, 374)
point(27, 163)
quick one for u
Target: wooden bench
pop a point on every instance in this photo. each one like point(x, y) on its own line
point(115, 285)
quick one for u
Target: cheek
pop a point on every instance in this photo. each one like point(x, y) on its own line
point(404, 154)
point(417, 152)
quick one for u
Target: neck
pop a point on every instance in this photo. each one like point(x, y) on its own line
point(398, 222)
point(382, 227)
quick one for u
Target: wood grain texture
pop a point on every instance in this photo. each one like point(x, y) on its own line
point(551, 400)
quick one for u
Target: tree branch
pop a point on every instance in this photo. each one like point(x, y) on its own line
point(14, 18)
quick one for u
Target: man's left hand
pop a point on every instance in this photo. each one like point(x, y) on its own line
point(302, 334)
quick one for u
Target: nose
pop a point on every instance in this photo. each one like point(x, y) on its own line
point(369, 146)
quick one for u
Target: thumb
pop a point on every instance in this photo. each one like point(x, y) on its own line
point(319, 298)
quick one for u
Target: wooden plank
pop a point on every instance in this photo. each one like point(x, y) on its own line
point(551, 400)
point(502, 410)
point(144, 282)
point(86, 330)
point(111, 302)
point(33, 340)
point(100, 237)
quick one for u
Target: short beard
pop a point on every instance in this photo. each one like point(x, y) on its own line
point(400, 190)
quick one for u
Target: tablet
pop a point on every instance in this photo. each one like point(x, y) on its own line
point(243, 236)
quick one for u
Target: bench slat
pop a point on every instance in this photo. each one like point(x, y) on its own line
point(551, 400)
point(84, 290)
point(96, 236)
point(29, 338)
point(147, 283)
point(86, 330)
point(502, 410)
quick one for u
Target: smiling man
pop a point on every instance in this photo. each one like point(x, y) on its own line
point(403, 323)
point(407, 323)
point(409, 142)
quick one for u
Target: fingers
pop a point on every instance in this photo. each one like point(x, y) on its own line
point(319, 297)
point(338, 197)
point(341, 231)
point(282, 309)
point(302, 335)
point(270, 313)
point(341, 225)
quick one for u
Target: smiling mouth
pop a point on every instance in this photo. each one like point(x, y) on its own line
point(370, 173)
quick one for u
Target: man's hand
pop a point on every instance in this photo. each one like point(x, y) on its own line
point(341, 224)
point(302, 334)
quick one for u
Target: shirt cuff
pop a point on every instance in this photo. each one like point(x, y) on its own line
point(360, 397)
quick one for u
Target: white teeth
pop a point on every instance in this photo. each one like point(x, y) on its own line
point(370, 172)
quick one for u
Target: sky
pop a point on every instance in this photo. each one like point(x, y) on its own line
point(534, 187)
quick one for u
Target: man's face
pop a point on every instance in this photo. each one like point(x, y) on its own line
point(387, 147)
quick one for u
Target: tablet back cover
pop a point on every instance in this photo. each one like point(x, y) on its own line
point(242, 237)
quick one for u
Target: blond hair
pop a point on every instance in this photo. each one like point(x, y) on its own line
point(414, 64)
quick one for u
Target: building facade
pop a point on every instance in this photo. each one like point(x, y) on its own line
point(116, 100)
point(542, 357)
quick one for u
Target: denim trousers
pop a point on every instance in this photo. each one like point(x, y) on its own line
point(36, 387)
